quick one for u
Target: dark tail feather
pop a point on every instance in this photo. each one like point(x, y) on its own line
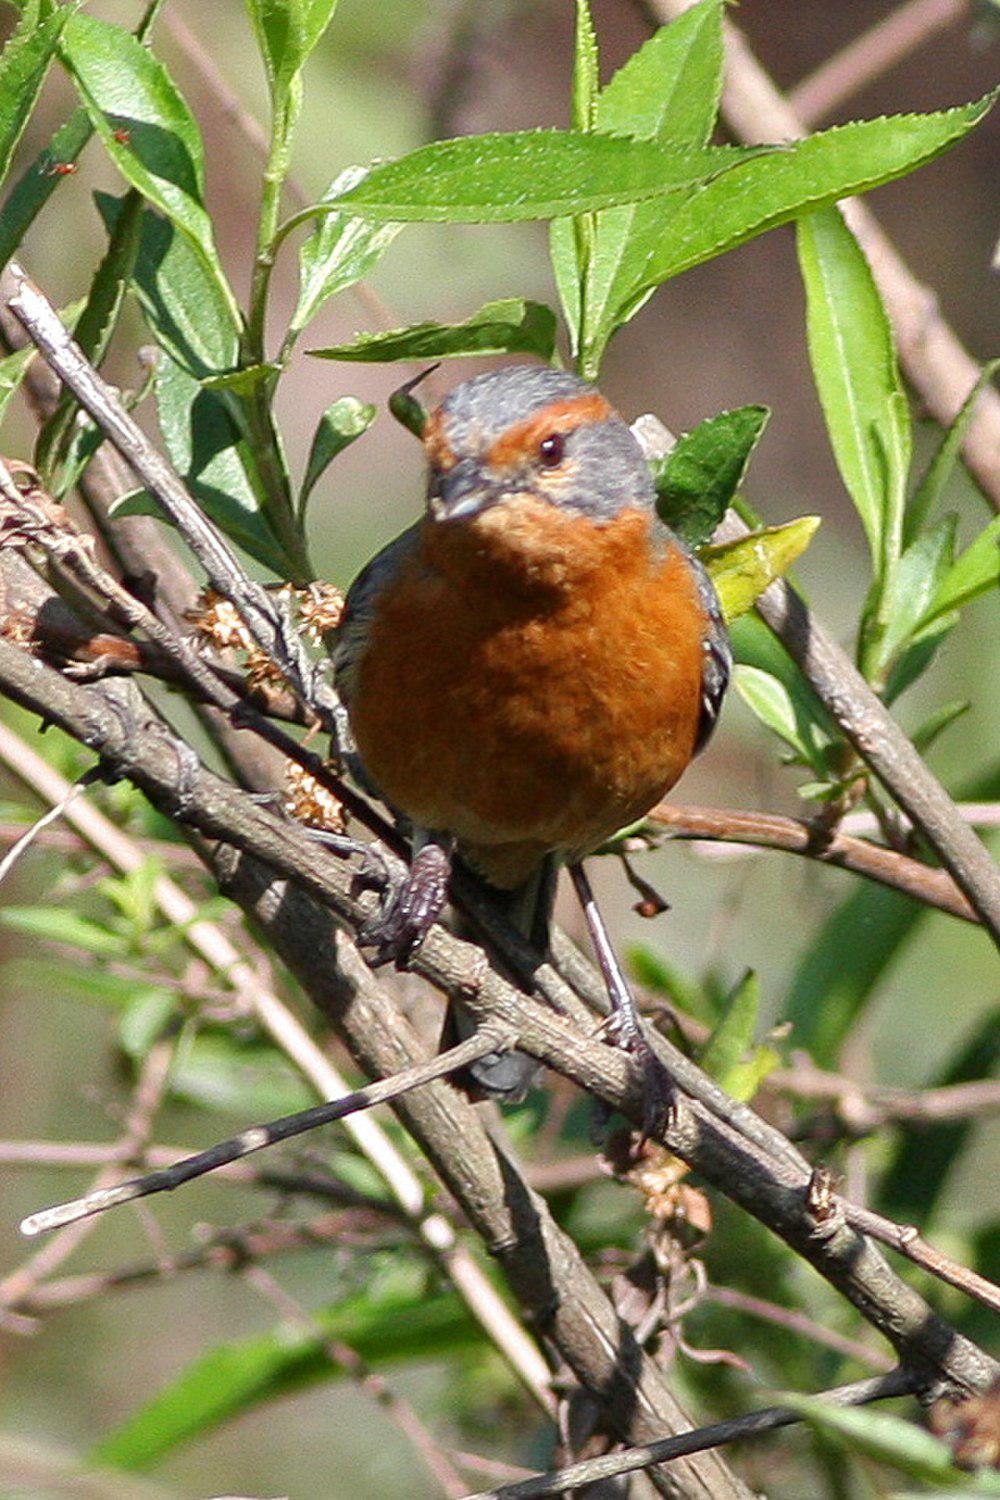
point(507, 1076)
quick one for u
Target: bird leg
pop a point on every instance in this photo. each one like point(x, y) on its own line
point(625, 1027)
point(411, 905)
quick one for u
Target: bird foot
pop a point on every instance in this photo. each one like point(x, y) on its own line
point(653, 1081)
point(410, 906)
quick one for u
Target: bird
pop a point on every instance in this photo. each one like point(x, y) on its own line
point(529, 667)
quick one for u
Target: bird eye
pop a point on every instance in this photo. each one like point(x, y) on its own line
point(551, 449)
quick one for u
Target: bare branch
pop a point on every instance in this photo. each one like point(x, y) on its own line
point(795, 836)
point(898, 1383)
point(257, 1137)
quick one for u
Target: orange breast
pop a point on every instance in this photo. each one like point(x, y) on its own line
point(532, 682)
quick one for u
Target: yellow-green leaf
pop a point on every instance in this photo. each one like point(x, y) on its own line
point(741, 570)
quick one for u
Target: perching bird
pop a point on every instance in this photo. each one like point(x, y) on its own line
point(532, 665)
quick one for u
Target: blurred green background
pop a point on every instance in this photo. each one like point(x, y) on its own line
point(386, 78)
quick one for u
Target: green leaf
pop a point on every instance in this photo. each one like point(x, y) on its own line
point(666, 92)
point(287, 31)
point(655, 973)
point(394, 1320)
point(796, 713)
point(511, 326)
point(187, 314)
point(837, 975)
point(741, 570)
point(854, 365)
point(974, 572)
point(696, 481)
point(936, 724)
point(13, 368)
point(24, 63)
point(732, 1037)
point(96, 325)
point(806, 175)
point(146, 127)
point(245, 1078)
point(938, 472)
point(38, 182)
point(586, 69)
point(881, 1436)
point(529, 174)
point(339, 252)
point(144, 1021)
point(922, 569)
point(244, 380)
point(55, 925)
point(215, 461)
point(342, 422)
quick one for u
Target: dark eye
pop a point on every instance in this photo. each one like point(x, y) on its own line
point(551, 450)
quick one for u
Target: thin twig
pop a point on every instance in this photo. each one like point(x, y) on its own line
point(797, 1322)
point(898, 1383)
point(877, 50)
point(257, 1137)
point(795, 836)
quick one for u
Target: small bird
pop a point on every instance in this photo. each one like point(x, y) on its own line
point(531, 666)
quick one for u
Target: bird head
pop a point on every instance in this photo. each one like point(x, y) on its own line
point(527, 432)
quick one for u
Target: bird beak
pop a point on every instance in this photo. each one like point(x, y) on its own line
point(461, 492)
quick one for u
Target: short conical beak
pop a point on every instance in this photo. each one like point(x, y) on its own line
point(460, 492)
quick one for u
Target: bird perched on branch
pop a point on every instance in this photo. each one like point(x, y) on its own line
point(532, 665)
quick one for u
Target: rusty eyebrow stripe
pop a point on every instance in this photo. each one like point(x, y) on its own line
point(558, 416)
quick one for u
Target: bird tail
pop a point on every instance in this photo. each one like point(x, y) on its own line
point(507, 1076)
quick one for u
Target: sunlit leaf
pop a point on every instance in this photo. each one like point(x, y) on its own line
point(511, 326)
point(287, 31)
point(733, 1034)
point(939, 470)
point(38, 182)
point(975, 571)
point(854, 365)
point(696, 481)
point(340, 251)
point(920, 575)
point(531, 174)
point(24, 63)
point(56, 925)
point(741, 570)
point(342, 422)
point(886, 1438)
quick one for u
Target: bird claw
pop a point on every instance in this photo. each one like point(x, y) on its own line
point(410, 907)
point(651, 1076)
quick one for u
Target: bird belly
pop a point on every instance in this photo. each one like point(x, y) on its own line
point(534, 728)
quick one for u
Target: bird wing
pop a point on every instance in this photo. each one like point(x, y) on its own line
point(361, 604)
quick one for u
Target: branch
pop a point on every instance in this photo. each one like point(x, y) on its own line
point(771, 1187)
point(257, 1137)
point(899, 1383)
point(796, 836)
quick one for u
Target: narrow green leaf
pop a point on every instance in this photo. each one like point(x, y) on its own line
point(24, 63)
point(186, 313)
point(974, 572)
point(243, 381)
point(808, 174)
point(55, 925)
point(837, 975)
point(511, 326)
point(881, 1436)
point(655, 973)
point(529, 174)
point(250, 1079)
point(146, 127)
point(214, 458)
point(338, 253)
point(914, 661)
point(287, 31)
point(776, 707)
point(742, 570)
point(38, 182)
point(922, 569)
point(96, 324)
point(586, 69)
point(810, 730)
point(13, 368)
point(733, 1035)
point(935, 725)
point(939, 470)
point(389, 1322)
point(342, 422)
point(668, 91)
point(696, 481)
point(144, 1021)
point(854, 365)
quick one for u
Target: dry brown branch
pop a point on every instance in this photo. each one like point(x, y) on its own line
point(936, 363)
